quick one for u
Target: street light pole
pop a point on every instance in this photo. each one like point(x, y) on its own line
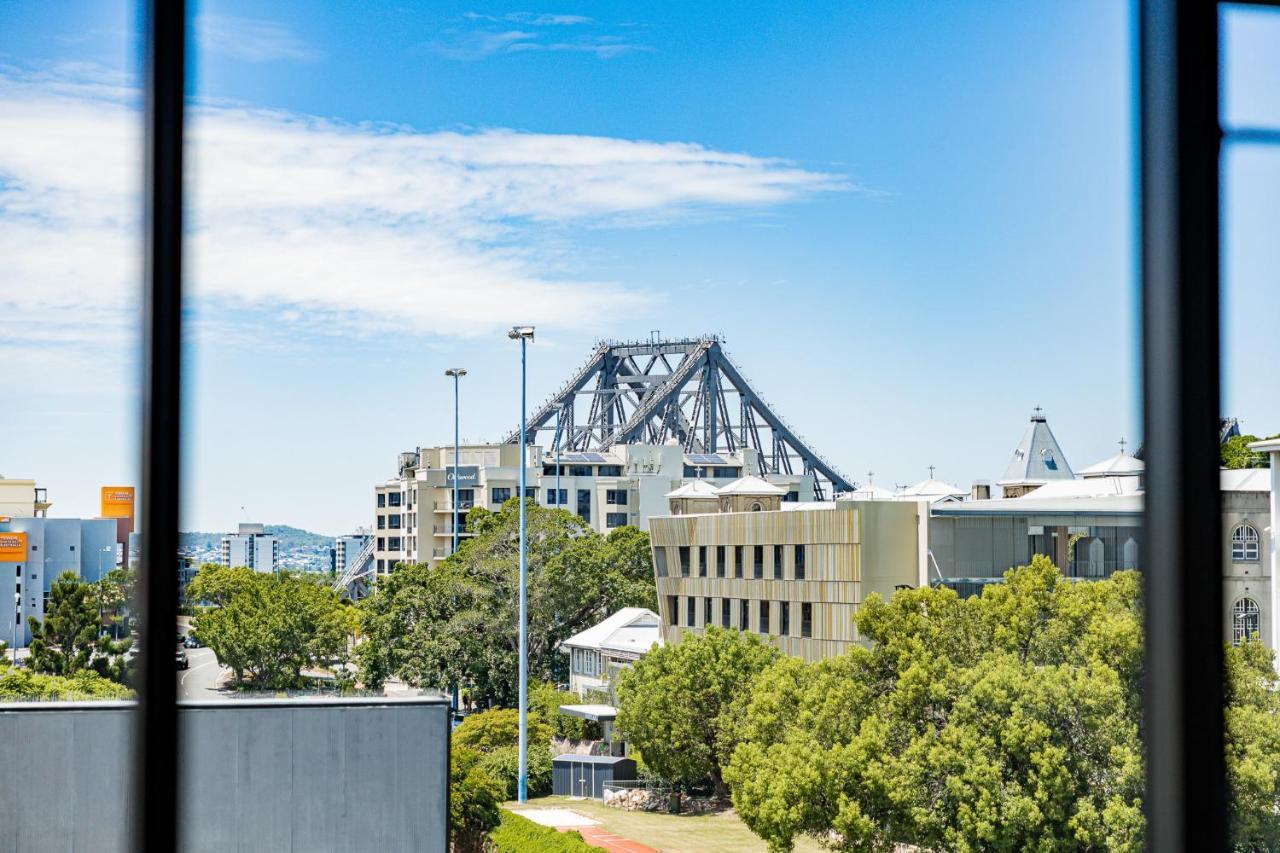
point(558, 504)
point(457, 373)
point(524, 334)
point(17, 610)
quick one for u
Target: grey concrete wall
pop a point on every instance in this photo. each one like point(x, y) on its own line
point(257, 775)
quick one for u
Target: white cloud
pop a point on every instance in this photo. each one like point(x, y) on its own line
point(353, 227)
point(251, 39)
point(478, 43)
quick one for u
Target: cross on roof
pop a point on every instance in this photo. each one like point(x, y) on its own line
point(870, 474)
point(1122, 444)
point(931, 467)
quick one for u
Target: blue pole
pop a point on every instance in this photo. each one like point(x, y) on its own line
point(523, 779)
point(558, 504)
point(455, 462)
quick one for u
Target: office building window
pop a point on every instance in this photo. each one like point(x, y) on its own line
point(673, 610)
point(1244, 543)
point(584, 505)
point(791, 497)
point(691, 472)
point(531, 493)
point(382, 544)
point(579, 470)
point(757, 561)
point(660, 561)
point(500, 494)
point(702, 561)
point(784, 616)
point(764, 616)
point(683, 553)
point(707, 618)
point(393, 499)
point(725, 618)
point(719, 561)
point(744, 615)
point(393, 543)
point(557, 497)
point(617, 497)
point(382, 522)
point(393, 521)
point(609, 471)
point(728, 473)
point(806, 620)
point(1244, 620)
point(691, 612)
point(615, 519)
point(799, 562)
point(737, 561)
point(382, 499)
point(777, 562)
point(550, 470)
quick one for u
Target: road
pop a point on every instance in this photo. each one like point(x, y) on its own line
point(200, 680)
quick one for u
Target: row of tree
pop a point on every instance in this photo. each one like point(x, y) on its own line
point(455, 625)
point(1009, 721)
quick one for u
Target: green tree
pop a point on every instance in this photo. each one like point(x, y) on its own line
point(475, 800)
point(1236, 453)
point(1002, 722)
point(114, 596)
point(456, 624)
point(545, 699)
point(69, 639)
point(269, 627)
point(217, 584)
point(24, 685)
point(677, 703)
point(498, 728)
point(1253, 746)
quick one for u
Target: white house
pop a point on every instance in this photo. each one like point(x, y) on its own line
point(598, 653)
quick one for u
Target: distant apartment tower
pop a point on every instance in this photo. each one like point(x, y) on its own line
point(22, 499)
point(251, 546)
point(347, 548)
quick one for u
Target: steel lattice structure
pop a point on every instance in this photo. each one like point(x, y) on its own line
point(649, 392)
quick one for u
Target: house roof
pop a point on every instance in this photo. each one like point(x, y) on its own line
point(1246, 479)
point(1087, 487)
point(695, 489)
point(1037, 458)
point(631, 629)
point(1122, 505)
point(870, 492)
point(932, 488)
point(1120, 465)
point(751, 485)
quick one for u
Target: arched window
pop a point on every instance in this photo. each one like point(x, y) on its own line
point(1244, 543)
point(756, 506)
point(1244, 621)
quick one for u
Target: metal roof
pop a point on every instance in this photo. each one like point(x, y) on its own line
point(751, 485)
point(631, 629)
point(1038, 458)
point(1121, 464)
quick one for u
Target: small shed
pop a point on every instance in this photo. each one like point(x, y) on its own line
point(586, 775)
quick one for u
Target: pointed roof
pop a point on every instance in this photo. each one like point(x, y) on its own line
point(750, 485)
point(1038, 458)
point(1120, 465)
point(870, 492)
point(695, 489)
point(631, 629)
point(932, 488)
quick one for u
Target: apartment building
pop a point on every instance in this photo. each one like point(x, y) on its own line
point(251, 546)
point(347, 548)
point(415, 514)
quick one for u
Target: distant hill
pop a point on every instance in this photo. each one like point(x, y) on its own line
point(290, 538)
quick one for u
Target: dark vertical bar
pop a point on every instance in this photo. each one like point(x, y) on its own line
point(156, 752)
point(1186, 802)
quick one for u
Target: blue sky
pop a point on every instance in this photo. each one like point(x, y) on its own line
point(911, 222)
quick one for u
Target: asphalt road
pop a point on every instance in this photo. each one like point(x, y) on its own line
point(199, 681)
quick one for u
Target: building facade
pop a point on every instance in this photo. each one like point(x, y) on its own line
point(34, 551)
point(415, 514)
point(22, 499)
point(251, 546)
point(599, 653)
point(795, 573)
point(346, 549)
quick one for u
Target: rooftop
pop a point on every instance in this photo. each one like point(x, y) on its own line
point(631, 629)
point(1038, 458)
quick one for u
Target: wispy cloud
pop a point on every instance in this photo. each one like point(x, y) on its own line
point(362, 227)
point(519, 32)
point(252, 39)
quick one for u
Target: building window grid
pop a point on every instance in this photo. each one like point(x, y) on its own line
point(737, 561)
point(707, 618)
point(744, 615)
point(799, 567)
point(726, 620)
point(777, 562)
point(702, 561)
point(720, 561)
point(757, 561)
point(784, 618)
point(764, 616)
point(1245, 543)
point(806, 619)
point(1245, 621)
point(690, 612)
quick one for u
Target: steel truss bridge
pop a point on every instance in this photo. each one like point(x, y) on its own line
point(650, 392)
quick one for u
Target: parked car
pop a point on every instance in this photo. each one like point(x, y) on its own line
point(183, 663)
point(191, 642)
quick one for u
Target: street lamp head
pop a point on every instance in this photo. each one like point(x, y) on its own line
point(518, 332)
point(456, 371)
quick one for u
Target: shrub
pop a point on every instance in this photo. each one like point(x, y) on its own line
point(503, 764)
point(27, 685)
point(499, 727)
point(474, 801)
point(516, 834)
point(545, 700)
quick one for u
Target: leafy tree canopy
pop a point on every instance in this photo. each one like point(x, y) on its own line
point(69, 639)
point(677, 703)
point(1236, 453)
point(24, 685)
point(456, 624)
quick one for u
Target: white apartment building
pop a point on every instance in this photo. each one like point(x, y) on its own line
point(415, 514)
point(251, 546)
point(347, 548)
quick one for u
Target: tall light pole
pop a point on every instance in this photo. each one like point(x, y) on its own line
point(558, 504)
point(523, 334)
point(457, 373)
point(17, 614)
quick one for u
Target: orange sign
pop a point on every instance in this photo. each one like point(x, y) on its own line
point(117, 501)
point(13, 547)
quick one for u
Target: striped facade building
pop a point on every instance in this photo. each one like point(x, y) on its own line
point(793, 573)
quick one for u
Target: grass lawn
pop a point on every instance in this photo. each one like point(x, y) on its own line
point(714, 833)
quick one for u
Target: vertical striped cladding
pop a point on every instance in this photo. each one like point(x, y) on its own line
point(834, 581)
